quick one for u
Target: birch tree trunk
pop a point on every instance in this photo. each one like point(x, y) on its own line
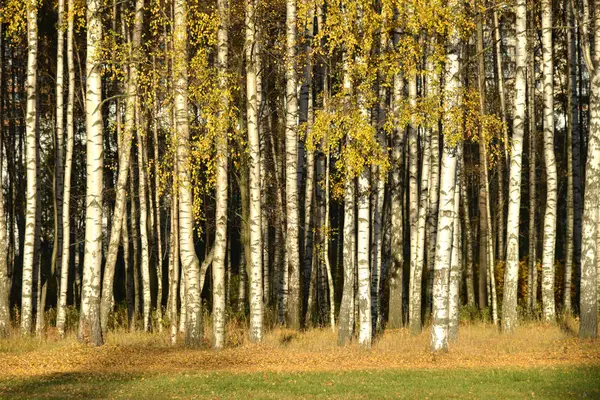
point(588, 298)
point(31, 160)
point(58, 165)
point(66, 221)
point(417, 268)
point(443, 254)
point(123, 173)
point(220, 244)
point(456, 259)
point(174, 260)
point(346, 318)
point(187, 251)
point(89, 320)
point(511, 273)
point(413, 198)
point(364, 279)
point(255, 231)
point(573, 179)
point(145, 260)
point(396, 269)
point(291, 165)
point(550, 161)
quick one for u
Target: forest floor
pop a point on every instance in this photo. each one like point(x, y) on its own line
point(535, 361)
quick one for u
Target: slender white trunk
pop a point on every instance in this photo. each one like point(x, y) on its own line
point(511, 273)
point(443, 254)
point(189, 260)
point(89, 320)
point(455, 260)
point(550, 161)
point(220, 244)
point(255, 232)
point(588, 298)
point(31, 160)
point(174, 260)
point(364, 279)
point(291, 165)
point(64, 270)
point(123, 171)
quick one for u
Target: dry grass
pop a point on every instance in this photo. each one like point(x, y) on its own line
point(479, 345)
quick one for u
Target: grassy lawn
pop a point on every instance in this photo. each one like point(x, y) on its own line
point(546, 383)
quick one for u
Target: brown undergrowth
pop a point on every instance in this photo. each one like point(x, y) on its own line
point(479, 345)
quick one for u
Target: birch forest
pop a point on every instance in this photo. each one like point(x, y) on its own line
point(179, 167)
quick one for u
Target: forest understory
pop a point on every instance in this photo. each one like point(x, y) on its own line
point(481, 345)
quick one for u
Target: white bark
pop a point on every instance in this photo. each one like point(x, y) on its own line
point(31, 161)
point(123, 171)
point(220, 244)
point(588, 298)
point(89, 320)
point(550, 161)
point(189, 260)
point(364, 278)
point(64, 270)
point(456, 259)
point(511, 273)
point(291, 165)
point(443, 254)
point(255, 231)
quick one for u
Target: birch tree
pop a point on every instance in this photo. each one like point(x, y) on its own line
point(443, 253)
point(509, 301)
point(189, 260)
point(550, 161)
point(220, 244)
point(588, 300)
point(68, 165)
point(124, 167)
point(31, 162)
point(255, 231)
point(291, 167)
point(89, 319)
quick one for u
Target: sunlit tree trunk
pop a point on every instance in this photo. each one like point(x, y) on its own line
point(550, 161)
point(454, 280)
point(291, 165)
point(123, 171)
point(511, 273)
point(89, 319)
point(588, 299)
point(64, 270)
point(59, 151)
point(174, 260)
point(443, 254)
point(346, 318)
point(417, 268)
point(31, 161)
point(188, 256)
point(255, 232)
point(220, 244)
